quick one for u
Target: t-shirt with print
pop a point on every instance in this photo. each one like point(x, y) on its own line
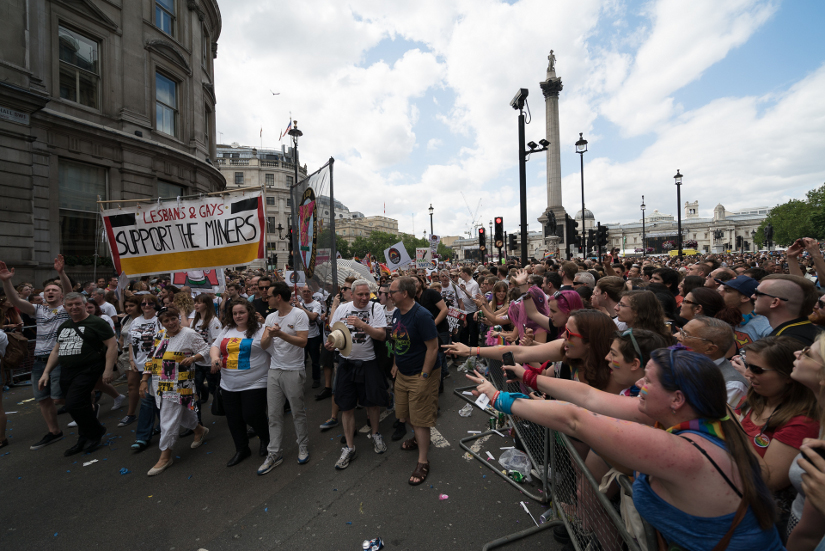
point(371, 314)
point(48, 320)
point(451, 294)
point(108, 309)
point(244, 364)
point(472, 289)
point(316, 308)
point(209, 334)
point(80, 345)
point(791, 433)
point(142, 336)
point(409, 334)
point(284, 355)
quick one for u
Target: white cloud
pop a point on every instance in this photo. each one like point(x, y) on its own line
point(434, 143)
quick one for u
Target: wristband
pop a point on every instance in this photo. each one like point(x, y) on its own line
point(530, 378)
point(505, 401)
point(495, 397)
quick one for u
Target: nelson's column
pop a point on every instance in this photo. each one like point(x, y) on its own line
point(551, 88)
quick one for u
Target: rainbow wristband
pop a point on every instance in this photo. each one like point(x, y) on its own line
point(505, 400)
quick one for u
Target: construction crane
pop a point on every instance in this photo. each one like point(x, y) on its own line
point(474, 215)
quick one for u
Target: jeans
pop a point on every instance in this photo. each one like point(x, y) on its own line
point(313, 349)
point(146, 418)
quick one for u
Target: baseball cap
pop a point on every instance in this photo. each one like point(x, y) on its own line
point(742, 283)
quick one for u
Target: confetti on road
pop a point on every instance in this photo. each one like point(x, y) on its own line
point(443, 497)
point(87, 463)
point(124, 470)
point(490, 456)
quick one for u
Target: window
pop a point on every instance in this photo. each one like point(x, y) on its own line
point(270, 201)
point(270, 180)
point(288, 201)
point(205, 49)
point(79, 186)
point(166, 104)
point(239, 178)
point(207, 119)
point(289, 180)
point(165, 16)
point(272, 223)
point(79, 68)
point(166, 190)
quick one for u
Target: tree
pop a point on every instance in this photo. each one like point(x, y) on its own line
point(796, 219)
point(341, 244)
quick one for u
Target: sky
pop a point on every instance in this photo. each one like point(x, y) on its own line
point(412, 101)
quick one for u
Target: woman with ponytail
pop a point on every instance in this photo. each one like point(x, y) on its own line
point(697, 480)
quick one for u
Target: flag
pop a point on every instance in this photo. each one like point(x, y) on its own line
point(384, 270)
point(288, 128)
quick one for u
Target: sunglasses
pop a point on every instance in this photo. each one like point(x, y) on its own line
point(820, 304)
point(147, 303)
point(567, 333)
point(635, 344)
point(759, 293)
point(686, 301)
point(346, 288)
point(755, 369)
point(559, 295)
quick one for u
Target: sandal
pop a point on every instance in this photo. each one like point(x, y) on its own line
point(409, 445)
point(421, 471)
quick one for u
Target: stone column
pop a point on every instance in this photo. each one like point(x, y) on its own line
point(551, 88)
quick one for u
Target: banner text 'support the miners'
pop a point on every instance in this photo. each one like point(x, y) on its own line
point(197, 234)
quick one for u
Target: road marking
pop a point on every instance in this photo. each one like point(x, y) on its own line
point(384, 414)
point(476, 447)
point(437, 439)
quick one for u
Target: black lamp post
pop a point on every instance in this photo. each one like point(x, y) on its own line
point(581, 149)
point(431, 218)
point(678, 180)
point(295, 133)
point(753, 238)
point(644, 246)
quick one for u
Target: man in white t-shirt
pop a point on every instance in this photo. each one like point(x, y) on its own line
point(312, 308)
point(469, 291)
point(359, 378)
point(285, 336)
point(99, 296)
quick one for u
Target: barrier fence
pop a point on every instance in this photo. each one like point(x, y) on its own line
point(591, 519)
point(24, 368)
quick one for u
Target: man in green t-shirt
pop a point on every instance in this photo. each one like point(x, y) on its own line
point(86, 349)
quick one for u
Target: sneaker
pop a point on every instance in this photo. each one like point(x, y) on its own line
point(303, 455)
point(329, 423)
point(72, 424)
point(270, 463)
point(118, 402)
point(378, 443)
point(399, 432)
point(347, 455)
point(324, 394)
point(128, 420)
point(48, 439)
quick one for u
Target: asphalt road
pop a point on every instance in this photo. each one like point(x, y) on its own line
point(52, 502)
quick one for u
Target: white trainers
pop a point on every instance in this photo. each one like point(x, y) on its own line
point(347, 455)
point(270, 463)
point(378, 443)
point(118, 402)
point(72, 424)
point(303, 455)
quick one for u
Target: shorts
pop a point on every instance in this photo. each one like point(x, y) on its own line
point(416, 398)
point(327, 358)
point(52, 389)
point(360, 382)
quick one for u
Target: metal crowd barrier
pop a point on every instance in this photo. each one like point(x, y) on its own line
point(24, 369)
point(590, 518)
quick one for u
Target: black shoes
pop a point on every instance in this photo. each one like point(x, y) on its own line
point(94, 444)
point(77, 448)
point(262, 451)
point(240, 456)
point(324, 394)
point(344, 437)
point(399, 432)
point(250, 432)
point(48, 439)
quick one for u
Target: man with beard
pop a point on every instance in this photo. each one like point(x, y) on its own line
point(787, 301)
point(817, 317)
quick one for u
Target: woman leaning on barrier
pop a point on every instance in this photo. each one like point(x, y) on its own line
point(697, 483)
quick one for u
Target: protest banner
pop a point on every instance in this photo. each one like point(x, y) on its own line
point(201, 281)
point(422, 258)
point(456, 318)
point(308, 232)
point(195, 234)
point(397, 256)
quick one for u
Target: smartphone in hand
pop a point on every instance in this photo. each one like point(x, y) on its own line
point(508, 359)
point(820, 451)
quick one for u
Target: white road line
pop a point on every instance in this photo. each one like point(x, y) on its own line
point(476, 447)
point(384, 414)
point(437, 439)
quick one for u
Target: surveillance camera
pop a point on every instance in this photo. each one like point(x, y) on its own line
point(532, 145)
point(544, 143)
point(517, 102)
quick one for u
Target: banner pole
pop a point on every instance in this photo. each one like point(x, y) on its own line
point(333, 255)
point(97, 243)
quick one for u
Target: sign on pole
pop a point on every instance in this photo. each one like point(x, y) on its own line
point(397, 256)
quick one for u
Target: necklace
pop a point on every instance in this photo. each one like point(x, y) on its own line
point(762, 439)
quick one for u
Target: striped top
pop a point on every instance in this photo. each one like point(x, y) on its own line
point(48, 320)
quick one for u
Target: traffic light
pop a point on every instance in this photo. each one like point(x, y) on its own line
point(499, 232)
point(602, 236)
point(482, 239)
point(289, 241)
point(513, 244)
point(571, 229)
point(738, 241)
point(591, 239)
point(577, 240)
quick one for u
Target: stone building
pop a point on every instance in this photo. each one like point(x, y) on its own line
point(99, 98)
point(272, 170)
point(363, 226)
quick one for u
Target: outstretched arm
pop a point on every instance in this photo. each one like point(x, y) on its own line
point(59, 264)
point(6, 276)
point(552, 351)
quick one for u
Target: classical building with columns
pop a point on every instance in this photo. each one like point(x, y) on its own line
point(99, 99)
point(725, 231)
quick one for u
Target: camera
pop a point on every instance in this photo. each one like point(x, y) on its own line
point(517, 102)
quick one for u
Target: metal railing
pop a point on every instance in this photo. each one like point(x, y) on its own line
point(592, 521)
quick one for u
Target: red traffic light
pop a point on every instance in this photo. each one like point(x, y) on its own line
point(480, 230)
point(498, 220)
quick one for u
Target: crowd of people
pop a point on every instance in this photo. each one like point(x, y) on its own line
point(702, 378)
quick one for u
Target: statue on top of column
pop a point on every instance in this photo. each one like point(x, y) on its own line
point(552, 67)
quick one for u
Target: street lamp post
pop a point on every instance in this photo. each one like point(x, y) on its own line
point(644, 244)
point(678, 179)
point(581, 149)
point(296, 253)
point(431, 218)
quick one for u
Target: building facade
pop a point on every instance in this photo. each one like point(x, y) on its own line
point(725, 231)
point(100, 99)
point(273, 171)
point(363, 226)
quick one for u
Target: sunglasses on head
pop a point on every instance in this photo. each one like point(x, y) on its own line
point(635, 344)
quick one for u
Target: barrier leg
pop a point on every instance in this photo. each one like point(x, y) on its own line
point(520, 535)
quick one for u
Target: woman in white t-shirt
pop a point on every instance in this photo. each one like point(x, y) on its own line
point(207, 325)
point(244, 367)
point(141, 338)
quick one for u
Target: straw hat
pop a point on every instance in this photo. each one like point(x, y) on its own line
point(340, 338)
